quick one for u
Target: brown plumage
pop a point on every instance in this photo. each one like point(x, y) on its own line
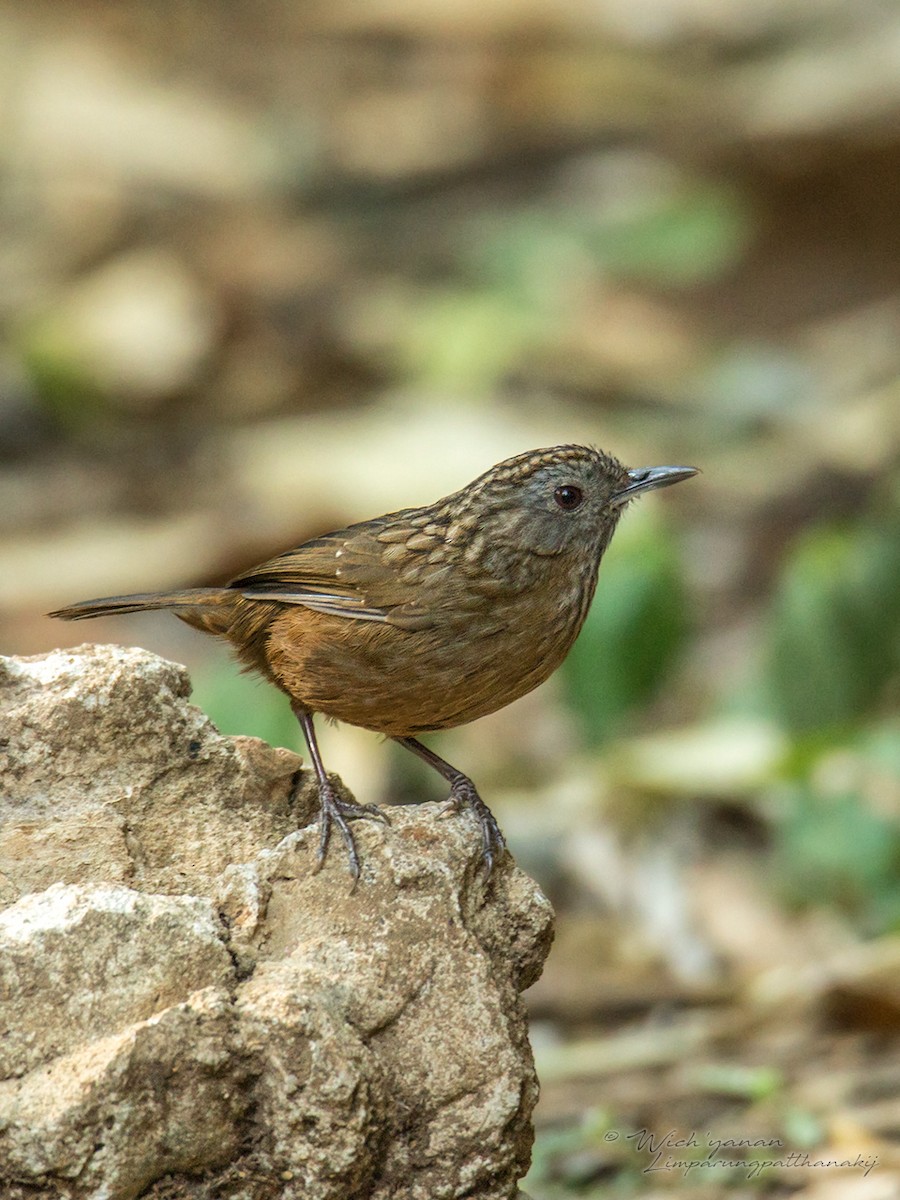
point(425, 618)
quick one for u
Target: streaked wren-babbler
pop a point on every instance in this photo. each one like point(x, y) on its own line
point(425, 618)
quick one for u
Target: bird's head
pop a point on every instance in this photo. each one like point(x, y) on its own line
point(562, 498)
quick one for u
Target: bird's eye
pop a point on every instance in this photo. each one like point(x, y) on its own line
point(568, 497)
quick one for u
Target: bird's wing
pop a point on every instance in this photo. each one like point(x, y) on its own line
point(375, 571)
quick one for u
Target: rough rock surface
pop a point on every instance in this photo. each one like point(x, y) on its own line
point(188, 1010)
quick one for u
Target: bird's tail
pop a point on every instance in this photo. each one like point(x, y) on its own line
point(106, 606)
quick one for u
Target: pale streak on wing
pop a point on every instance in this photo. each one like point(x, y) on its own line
point(336, 606)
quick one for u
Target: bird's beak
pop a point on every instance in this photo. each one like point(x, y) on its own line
point(644, 479)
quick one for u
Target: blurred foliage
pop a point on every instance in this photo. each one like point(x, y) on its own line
point(680, 236)
point(736, 1079)
point(573, 1160)
point(838, 837)
point(464, 339)
point(835, 626)
point(238, 703)
point(633, 632)
point(65, 387)
point(831, 672)
point(678, 239)
point(829, 679)
point(834, 851)
point(749, 385)
point(521, 274)
point(602, 1156)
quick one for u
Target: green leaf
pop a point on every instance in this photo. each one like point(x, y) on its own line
point(633, 632)
point(834, 850)
point(835, 632)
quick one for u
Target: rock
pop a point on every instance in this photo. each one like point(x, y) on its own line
point(109, 776)
point(184, 999)
point(162, 1095)
point(85, 942)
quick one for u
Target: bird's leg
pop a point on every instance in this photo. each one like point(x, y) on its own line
point(463, 793)
point(333, 810)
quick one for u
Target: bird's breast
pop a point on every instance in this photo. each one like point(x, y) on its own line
point(471, 660)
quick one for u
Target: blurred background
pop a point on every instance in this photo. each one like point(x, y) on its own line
point(269, 268)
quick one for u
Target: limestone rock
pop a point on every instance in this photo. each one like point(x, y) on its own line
point(188, 1009)
point(82, 943)
point(108, 775)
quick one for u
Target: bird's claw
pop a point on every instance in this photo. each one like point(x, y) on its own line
point(334, 811)
point(463, 794)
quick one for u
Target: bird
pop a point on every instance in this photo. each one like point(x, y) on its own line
point(425, 618)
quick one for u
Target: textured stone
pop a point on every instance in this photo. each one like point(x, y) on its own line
point(109, 776)
point(78, 944)
point(189, 1009)
point(159, 1096)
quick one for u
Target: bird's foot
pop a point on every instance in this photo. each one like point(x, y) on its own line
point(336, 812)
point(464, 794)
